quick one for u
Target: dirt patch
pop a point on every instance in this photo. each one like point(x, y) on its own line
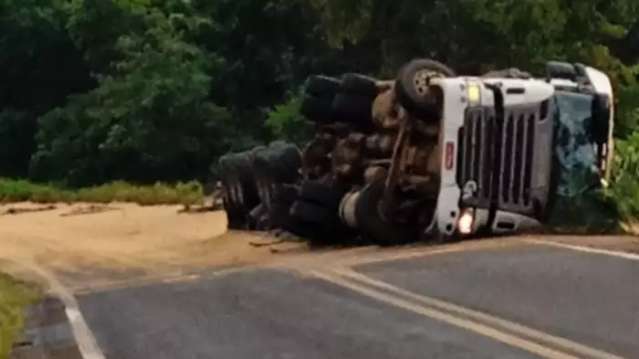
point(91, 209)
point(13, 211)
point(125, 241)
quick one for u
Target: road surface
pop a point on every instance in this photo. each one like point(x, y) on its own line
point(509, 298)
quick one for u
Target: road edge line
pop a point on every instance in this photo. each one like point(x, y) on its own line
point(84, 338)
point(624, 255)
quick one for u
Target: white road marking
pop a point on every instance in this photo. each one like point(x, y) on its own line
point(481, 329)
point(624, 255)
point(84, 338)
point(421, 251)
point(485, 318)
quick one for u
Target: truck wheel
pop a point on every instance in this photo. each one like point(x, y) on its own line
point(358, 84)
point(283, 198)
point(254, 221)
point(285, 194)
point(322, 86)
point(286, 161)
point(236, 212)
point(353, 108)
point(235, 220)
point(317, 109)
point(278, 164)
point(413, 90)
point(311, 213)
point(324, 195)
point(373, 225)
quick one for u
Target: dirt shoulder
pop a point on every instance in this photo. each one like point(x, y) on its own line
point(90, 247)
point(82, 242)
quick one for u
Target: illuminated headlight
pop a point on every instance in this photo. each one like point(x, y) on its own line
point(474, 94)
point(466, 222)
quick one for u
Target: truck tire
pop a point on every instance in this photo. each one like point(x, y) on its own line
point(322, 86)
point(322, 194)
point(285, 194)
point(353, 108)
point(371, 223)
point(241, 192)
point(286, 161)
point(312, 214)
point(278, 164)
point(358, 84)
point(255, 218)
point(413, 90)
point(236, 213)
point(283, 198)
point(235, 219)
point(318, 109)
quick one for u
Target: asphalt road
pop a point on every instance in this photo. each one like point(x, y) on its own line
point(588, 298)
point(521, 301)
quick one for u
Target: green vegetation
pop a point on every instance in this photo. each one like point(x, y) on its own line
point(95, 91)
point(625, 190)
point(182, 193)
point(14, 298)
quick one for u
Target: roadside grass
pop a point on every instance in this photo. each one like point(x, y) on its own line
point(14, 298)
point(189, 193)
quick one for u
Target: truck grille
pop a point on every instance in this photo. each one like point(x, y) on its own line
point(498, 158)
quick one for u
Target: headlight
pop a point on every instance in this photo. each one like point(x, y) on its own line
point(466, 222)
point(474, 94)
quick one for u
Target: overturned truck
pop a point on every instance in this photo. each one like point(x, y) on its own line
point(429, 155)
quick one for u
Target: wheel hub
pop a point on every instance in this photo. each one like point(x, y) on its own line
point(422, 79)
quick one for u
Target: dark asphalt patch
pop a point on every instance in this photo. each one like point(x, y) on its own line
point(588, 298)
point(269, 314)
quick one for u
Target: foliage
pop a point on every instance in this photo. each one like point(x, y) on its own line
point(286, 122)
point(181, 193)
point(17, 143)
point(476, 35)
point(625, 190)
point(14, 297)
point(40, 67)
point(149, 120)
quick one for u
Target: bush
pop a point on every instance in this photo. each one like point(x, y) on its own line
point(287, 123)
point(188, 193)
point(625, 189)
point(182, 193)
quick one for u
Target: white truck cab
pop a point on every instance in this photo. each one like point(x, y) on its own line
point(502, 150)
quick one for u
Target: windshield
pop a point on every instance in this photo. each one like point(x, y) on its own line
point(575, 151)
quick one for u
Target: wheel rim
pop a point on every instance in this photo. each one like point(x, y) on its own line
point(421, 80)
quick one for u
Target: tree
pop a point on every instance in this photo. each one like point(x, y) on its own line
point(40, 68)
point(149, 120)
